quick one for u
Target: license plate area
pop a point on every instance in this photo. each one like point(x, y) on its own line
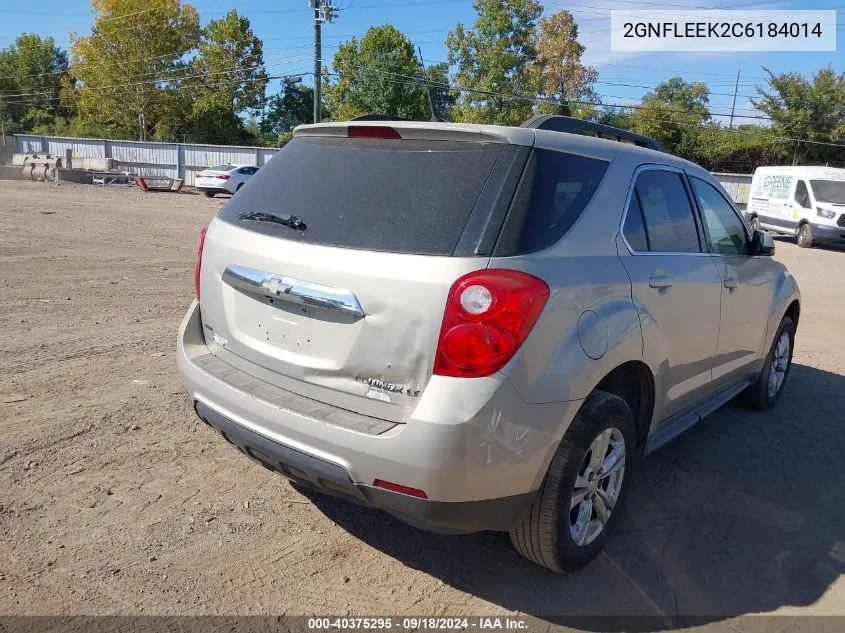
point(291, 332)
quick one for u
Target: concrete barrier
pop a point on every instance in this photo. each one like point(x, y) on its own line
point(11, 173)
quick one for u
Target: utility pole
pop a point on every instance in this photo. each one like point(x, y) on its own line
point(427, 87)
point(733, 103)
point(2, 124)
point(324, 11)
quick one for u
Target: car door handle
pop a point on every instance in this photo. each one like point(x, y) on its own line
point(731, 283)
point(660, 281)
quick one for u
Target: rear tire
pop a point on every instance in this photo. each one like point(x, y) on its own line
point(766, 390)
point(804, 237)
point(209, 194)
point(561, 532)
point(755, 223)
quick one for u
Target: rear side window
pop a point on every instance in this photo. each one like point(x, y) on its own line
point(669, 224)
point(634, 229)
point(403, 196)
point(555, 189)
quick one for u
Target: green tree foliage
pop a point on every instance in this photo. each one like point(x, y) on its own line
point(443, 97)
point(615, 117)
point(738, 150)
point(293, 106)
point(379, 75)
point(31, 72)
point(229, 80)
point(493, 59)
point(559, 74)
point(807, 110)
point(126, 75)
point(673, 114)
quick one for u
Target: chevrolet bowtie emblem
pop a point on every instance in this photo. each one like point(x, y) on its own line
point(276, 286)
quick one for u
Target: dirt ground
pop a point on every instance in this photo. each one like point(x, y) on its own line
point(115, 499)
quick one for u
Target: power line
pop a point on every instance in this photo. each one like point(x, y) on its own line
point(408, 79)
point(173, 78)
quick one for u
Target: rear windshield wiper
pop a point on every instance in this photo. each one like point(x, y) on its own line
point(260, 216)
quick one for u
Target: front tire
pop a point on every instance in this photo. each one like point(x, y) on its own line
point(805, 236)
point(582, 495)
point(755, 224)
point(766, 390)
point(209, 194)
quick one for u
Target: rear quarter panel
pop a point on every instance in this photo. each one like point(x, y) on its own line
point(590, 324)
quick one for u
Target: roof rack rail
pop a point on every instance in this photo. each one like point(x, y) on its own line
point(570, 125)
point(378, 117)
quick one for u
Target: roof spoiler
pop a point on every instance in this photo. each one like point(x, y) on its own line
point(570, 125)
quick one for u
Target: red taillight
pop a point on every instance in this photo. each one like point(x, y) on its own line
point(372, 131)
point(198, 265)
point(222, 177)
point(489, 314)
point(405, 490)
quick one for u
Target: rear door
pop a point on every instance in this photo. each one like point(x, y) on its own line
point(771, 198)
point(328, 275)
point(746, 284)
point(674, 282)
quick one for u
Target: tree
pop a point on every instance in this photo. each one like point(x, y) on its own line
point(673, 114)
point(443, 97)
point(739, 150)
point(493, 59)
point(560, 75)
point(31, 72)
point(378, 75)
point(621, 117)
point(127, 74)
point(289, 108)
point(807, 111)
point(230, 79)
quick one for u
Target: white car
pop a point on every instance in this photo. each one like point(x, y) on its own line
point(224, 178)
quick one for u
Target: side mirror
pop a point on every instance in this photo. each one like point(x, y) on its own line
point(762, 244)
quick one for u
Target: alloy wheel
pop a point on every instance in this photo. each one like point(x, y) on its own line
point(779, 365)
point(597, 486)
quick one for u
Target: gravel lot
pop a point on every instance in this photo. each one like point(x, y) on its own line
point(114, 499)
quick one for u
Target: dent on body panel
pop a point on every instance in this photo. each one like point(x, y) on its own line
point(589, 323)
point(498, 443)
point(402, 346)
point(655, 355)
point(785, 292)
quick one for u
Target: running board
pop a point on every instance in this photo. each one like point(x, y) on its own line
point(673, 426)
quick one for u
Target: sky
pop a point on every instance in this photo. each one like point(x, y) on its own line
point(286, 26)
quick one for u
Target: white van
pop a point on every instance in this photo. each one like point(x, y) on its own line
point(808, 202)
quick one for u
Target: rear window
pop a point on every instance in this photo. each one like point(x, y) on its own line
point(404, 196)
point(555, 188)
point(220, 168)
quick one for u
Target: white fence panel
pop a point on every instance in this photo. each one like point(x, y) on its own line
point(737, 186)
point(204, 156)
point(81, 147)
point(28, 144)
point(265, 154)
point(134, 153)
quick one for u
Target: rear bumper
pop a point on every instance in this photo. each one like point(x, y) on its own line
point(212, 189)
point(462, 447)
point(437, 516)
